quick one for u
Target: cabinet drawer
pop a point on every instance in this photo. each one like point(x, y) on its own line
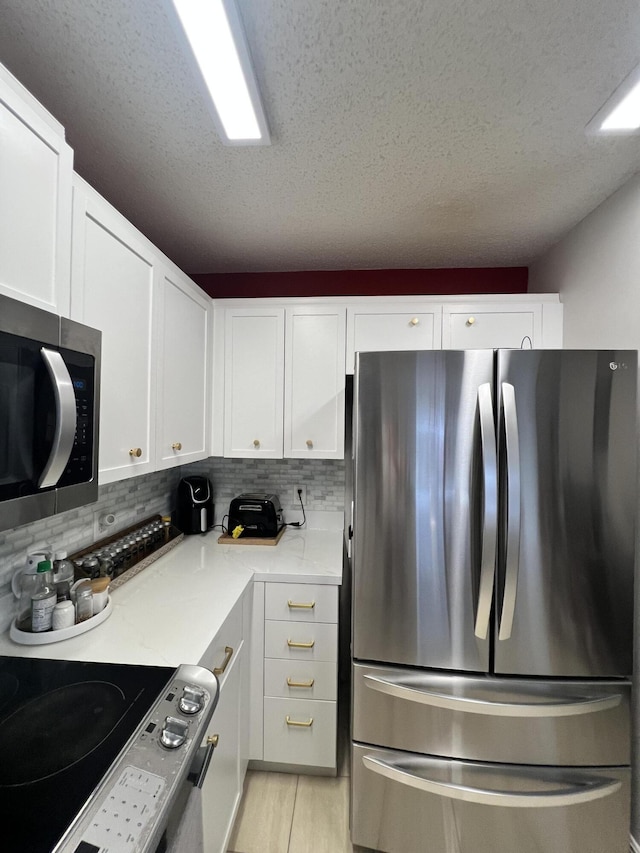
point(301, 602)
point(312, 742)
point(228, 637)
point(314, 642)
point(300, 679)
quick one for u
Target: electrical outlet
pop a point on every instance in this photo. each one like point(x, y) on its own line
point(302, 497)
point(104, 523)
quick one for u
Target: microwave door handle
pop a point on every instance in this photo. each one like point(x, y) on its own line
point(65, 399)
point(490, 510)
point(514, 518)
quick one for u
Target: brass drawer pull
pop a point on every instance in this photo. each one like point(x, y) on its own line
point(213, 740)
point(177, 445)
point(136, 451)
point(306, 605)
point(291, 722)
point(228, 652)
point(293, 645)
point(292, 683)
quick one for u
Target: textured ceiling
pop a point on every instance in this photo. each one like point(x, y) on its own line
point(405, 133)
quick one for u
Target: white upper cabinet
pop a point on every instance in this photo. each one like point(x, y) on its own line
point(384, 326)
point(283, 381)
point(254, 382)
point(183, 382)
point(525, 322)
point(314, 383)
point(36, 167)
point(114, 289)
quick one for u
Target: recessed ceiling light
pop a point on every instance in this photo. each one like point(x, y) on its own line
point(215, 34)
point(621, 112)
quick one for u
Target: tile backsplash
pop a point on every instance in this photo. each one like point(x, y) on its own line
point(135, 499)
point(322, 478)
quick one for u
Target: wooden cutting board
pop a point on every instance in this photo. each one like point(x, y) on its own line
point(227, 539)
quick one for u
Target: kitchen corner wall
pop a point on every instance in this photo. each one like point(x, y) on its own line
point(138, 498)
point(131, 500)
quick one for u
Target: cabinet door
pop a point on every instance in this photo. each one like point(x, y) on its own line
point(182, 423)
point(36, 167)
point(314, 383)
point(254, 382)
point(491, 326)
point(222, 786)
point(385, 327)
point(113, 289)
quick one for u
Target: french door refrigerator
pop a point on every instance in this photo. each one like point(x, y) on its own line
point(493, 559)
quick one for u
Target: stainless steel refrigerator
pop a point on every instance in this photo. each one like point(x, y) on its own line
point(493, 561)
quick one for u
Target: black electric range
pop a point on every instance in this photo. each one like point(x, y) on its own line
point(62, 726)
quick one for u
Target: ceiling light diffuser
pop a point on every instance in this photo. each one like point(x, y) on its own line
point(216, 37)
point(621, 113)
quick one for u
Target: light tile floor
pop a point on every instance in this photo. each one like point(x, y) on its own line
point(284, 813)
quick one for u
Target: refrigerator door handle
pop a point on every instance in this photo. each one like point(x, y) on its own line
point(560, 707)
point(557, 794)
point(512, 551)
point(490, 510)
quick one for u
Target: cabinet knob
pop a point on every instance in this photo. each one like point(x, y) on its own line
point(414, 321)
point(309, 443)
point(471, 321)
point(136, 451)
point(176, 445)
point(256, 442)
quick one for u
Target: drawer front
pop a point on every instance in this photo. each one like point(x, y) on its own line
point(400, 799)
point(300, 679)
point(301, 602)
point(301, 641)
point(311, 742)
point(229, 637)
point(493, 719)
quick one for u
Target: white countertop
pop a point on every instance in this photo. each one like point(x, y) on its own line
point(170, 612)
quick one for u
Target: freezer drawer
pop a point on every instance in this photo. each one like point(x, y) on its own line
point(407, 803)
point(521, 721)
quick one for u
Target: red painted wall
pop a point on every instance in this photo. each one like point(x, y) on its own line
point(365, 282)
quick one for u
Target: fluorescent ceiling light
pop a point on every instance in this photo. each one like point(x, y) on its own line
point(621, 113)
point(214, 31)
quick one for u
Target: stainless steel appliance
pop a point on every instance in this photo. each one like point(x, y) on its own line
point(493, 561)
point(73, 735)
point(49, 411)
point(194, 513)
point(259, 515)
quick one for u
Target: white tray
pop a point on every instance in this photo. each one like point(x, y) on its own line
point(41, 638)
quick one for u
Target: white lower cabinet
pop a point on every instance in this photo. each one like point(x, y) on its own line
point(297, 676)
point(222, 788)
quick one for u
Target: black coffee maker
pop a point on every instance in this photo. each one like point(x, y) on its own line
point(194, 511)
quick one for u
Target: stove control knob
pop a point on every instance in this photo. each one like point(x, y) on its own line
point(192, 700)
point(174, 732)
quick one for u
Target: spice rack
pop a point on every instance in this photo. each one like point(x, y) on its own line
point(129, 551)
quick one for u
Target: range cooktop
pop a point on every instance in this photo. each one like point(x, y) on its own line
point(62, 724)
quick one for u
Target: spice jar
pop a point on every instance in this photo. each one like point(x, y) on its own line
point(84, 602)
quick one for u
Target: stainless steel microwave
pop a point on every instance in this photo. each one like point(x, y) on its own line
point(49, 411)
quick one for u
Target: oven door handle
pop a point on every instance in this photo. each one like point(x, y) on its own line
point(202, 761)
point(65, 430)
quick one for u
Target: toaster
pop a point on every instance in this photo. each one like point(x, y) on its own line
point(260, 515)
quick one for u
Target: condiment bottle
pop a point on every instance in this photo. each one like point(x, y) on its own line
point(43, 599)
point(63, 575)
point(64, 615)
point(29, 582)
